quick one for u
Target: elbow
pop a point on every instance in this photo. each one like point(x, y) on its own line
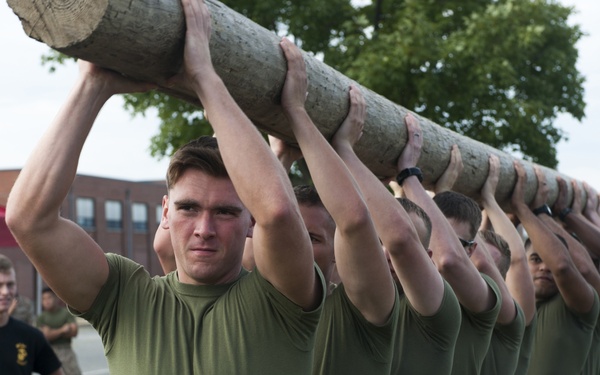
point(447, 263)
point(354, 221)
point(400, 241)
point(15, 219)
point(563, 267)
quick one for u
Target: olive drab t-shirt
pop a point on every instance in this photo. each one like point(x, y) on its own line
point(157, 325)
point(562, 338)
point(425, 344)
point(475, 335)
point(503, 354)
point(592, 363)
point(349, 344)
point(56, 319)
point(526, 347)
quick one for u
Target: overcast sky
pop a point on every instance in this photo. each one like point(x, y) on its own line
point(118, 144)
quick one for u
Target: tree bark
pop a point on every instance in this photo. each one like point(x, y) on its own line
point(144, 39)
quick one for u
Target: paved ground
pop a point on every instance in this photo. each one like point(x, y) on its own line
point(90, 352)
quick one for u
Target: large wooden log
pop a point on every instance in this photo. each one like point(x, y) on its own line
point(144, 39)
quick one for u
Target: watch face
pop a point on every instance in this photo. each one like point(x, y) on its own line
point(545, 209)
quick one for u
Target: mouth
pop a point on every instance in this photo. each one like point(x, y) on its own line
point(545, 278)
point(202, 251)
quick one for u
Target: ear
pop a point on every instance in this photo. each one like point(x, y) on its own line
point(470, 249)
point(164, 221)
point(250, 231)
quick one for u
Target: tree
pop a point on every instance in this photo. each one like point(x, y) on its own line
point(496, 71)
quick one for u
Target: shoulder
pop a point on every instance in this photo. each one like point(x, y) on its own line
point(23, 328)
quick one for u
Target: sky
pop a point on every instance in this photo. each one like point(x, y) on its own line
point(118, 146)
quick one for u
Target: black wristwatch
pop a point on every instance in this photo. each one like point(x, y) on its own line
point(545, 209)
point(562, 215)
point(405, 173)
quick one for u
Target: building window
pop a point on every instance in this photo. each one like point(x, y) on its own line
point(139, 215)
point(114, 214)
point(85, 213)
point(159, 210)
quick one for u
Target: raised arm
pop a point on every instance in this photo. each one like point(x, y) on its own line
point(580, 226)
point(449, 256)
point(52, 243)
point(359, 257)
point(574, 219)
point(282, 248)
point(518, 278)
point(418, 276)
point(591, 205)
point(453, 170)
point(548, 248)
point(482, 259)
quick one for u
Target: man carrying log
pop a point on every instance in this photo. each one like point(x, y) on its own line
point(210, 316)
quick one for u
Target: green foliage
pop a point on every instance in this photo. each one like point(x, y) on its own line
point(497, 71)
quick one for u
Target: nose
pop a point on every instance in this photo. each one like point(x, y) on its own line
point(205, 226)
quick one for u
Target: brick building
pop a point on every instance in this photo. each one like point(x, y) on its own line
point(121, 216)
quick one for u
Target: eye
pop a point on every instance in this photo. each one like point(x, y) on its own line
point(314, 239)
point(225, 212)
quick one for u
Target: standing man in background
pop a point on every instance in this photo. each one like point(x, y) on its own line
point(59, 327)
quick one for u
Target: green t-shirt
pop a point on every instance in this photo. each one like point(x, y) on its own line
point(349, 344)
point(503, 354)
point(475, 335)
point(592, 363)
point(526, 346)
point(56, 319)
point(562, 338)
point(161, 326)
point(425, 344)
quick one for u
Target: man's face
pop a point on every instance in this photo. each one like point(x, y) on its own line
point(543, 281)
point(321, 229)
point(8, 290)
point(49, 301)
point(208, 225)
point(463, 231)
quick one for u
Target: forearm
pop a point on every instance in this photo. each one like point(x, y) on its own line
point(587, 232)
point(326, 166)
point(392, 223)
point(259, 178)
point(444, 241)
point(505, 228)
point(52, 334)
point(579, 254)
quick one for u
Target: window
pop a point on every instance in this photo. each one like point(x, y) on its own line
point(158, 214)
point(139, 215)
point(85, 213)
point(114, 214)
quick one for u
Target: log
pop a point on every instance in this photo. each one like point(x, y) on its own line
point(144, 39)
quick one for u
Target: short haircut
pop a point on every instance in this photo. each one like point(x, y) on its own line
point(201, 154)
point(501, 244)
point(461, 208)
point(308, 196)
point(529, 244)
point(5, 265)
point(411, 207)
